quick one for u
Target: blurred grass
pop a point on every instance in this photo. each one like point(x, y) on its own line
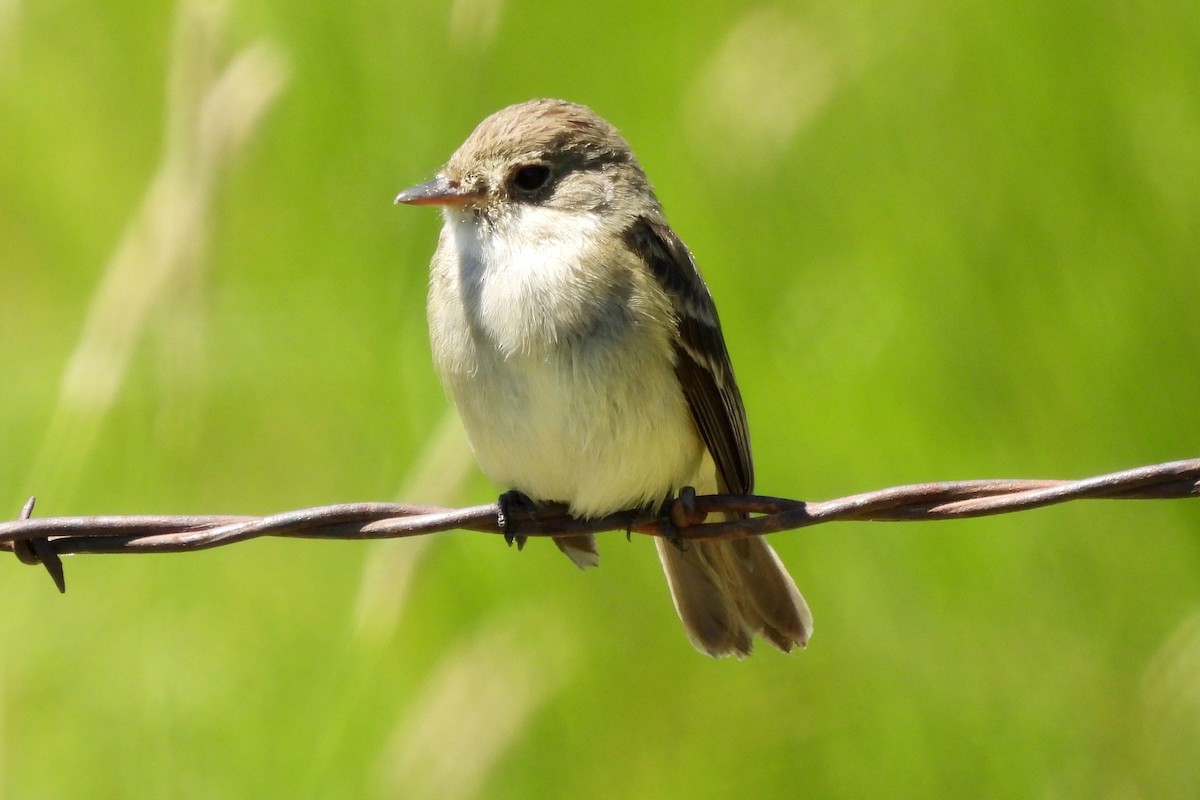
point(947, 240)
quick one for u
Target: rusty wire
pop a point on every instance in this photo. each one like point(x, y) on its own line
point(42, 541)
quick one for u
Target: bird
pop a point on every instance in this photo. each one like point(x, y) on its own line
point(582, 349)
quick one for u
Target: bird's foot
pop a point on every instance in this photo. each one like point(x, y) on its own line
point(512, 504)
point(678, 514)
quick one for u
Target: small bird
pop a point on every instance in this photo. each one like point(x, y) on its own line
point(574, 334)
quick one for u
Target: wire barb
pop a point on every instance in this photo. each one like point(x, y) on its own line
point(39, 551)
point(42, 541)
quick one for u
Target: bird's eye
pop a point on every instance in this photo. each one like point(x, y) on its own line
point(531, 177)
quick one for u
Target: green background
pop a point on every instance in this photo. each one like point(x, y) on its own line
point(948, 240)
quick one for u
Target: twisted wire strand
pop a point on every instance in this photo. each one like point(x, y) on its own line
point(43, 541)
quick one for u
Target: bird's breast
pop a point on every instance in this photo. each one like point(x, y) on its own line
point(558, 354)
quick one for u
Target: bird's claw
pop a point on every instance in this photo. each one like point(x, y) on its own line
point(510, 504)
point(678, 514)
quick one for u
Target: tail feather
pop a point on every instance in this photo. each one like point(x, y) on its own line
point(727, 591)
point(713, 624)
point(580, 549)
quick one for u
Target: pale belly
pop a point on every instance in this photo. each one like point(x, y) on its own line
point(600, 438)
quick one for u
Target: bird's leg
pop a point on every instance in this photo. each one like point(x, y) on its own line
point(512, 503)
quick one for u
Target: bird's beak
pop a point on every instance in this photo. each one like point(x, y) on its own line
point(441, 191)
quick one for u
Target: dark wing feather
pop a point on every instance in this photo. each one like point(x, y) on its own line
point(701, 360)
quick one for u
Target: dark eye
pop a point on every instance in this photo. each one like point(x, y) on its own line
point(531, 177)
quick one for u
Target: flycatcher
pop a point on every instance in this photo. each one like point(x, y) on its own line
point(582, 349)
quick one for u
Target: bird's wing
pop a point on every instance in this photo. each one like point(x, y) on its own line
point(701, 359)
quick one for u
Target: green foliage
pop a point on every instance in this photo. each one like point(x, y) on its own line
point(947, 240)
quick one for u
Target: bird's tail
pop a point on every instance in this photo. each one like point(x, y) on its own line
point(728, 591)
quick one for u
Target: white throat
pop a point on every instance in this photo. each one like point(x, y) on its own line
point(525, 279)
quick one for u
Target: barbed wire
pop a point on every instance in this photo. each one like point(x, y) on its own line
point(43, 541)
